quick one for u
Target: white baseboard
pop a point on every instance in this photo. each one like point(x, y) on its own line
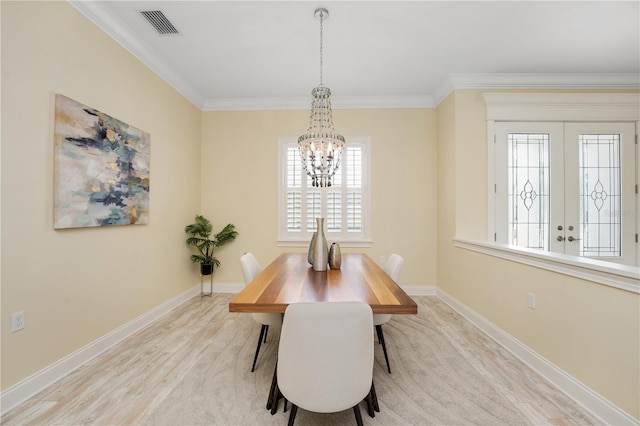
point(600, 407)
point(25, 389)
point(594, 403)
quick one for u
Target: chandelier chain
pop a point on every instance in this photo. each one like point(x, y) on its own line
point(321, 27)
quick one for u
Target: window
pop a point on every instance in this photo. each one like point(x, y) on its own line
point(345, 204)
point(563, 187)
point(562, 117)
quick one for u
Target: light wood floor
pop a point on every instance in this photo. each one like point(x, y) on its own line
point(193, 367)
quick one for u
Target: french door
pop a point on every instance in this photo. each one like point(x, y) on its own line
point(567, 188)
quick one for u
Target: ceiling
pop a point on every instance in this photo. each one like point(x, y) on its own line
point(266, 54)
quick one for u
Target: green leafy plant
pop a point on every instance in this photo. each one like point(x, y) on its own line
point(200, 239)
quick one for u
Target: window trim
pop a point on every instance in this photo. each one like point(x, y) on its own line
point(284, 239)
point(595, 107)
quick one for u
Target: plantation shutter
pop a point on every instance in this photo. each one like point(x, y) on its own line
point(341, 204)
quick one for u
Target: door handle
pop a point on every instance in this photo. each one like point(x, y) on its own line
point(560, 238)
point(572, 239)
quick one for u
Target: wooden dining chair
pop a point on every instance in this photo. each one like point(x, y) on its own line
point(251, 268)
point(325, 357)
point(393, 268)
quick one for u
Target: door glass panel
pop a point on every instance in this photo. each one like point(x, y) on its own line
point(528, 190)
point(600, 195)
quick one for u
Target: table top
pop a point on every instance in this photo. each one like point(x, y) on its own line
point(291, 279)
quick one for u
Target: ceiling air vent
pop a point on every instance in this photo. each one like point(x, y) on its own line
point(159, 22)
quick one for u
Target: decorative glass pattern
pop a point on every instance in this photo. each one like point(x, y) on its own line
point(600, 195)
point(528, 190)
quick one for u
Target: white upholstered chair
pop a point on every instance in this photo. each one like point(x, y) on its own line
point(251, 268)
point(325, 357)
point(393, 268)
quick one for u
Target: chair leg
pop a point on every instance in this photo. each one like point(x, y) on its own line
point(273, 391)
point(374, 397)
point(384, 347)
point(266, 330)
point(356, 410)
point(369, 401)
point(263, 330)
point(292, 415)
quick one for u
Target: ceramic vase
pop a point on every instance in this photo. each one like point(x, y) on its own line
point(320, 251)
point(335, 256)
point(311, 249)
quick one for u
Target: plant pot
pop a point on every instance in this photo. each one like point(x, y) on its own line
point(206, 269)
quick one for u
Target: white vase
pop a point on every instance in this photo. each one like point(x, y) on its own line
point(320, 250)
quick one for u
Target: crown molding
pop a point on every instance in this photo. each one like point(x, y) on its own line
point(535, 81)
point(252, 104)
point(444, 89)
point(107, 22)
point(337, 102)
point(563, 106)
point(416, 101)
point(545, 81)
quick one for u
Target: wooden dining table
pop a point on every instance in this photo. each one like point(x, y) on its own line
point(291, 279)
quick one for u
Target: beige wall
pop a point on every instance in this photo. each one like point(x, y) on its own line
point(589, 330)
point(77, 285)
point(429, 171)
point(240, 178)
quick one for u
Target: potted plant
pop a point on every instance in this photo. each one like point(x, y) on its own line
point(200, 238)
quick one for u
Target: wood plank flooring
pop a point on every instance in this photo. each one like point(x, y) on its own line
point(193, 367)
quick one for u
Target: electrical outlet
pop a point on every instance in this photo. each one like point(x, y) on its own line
point(382, 260)
point(532, 300)
point(17, 321)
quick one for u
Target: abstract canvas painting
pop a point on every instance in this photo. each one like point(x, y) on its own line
point(101, 168)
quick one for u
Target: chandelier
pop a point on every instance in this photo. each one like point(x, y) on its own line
point(321, 147)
